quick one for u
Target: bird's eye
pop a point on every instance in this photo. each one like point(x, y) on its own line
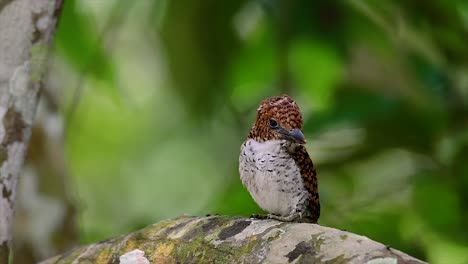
point(273, 123)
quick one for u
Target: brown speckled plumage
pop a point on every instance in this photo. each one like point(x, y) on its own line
point(275, 166)
point(309, 175)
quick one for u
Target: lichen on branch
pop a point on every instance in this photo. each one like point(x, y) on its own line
point(228, 239)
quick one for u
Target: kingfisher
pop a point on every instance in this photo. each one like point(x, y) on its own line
point(274, 164)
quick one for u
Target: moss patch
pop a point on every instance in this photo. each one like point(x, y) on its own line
point(163, 253)
point(317, 241)
point(339, 260)
point(38, 59)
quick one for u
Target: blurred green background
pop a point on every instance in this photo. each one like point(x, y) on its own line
point(157, 96)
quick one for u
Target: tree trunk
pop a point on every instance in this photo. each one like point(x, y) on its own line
point(227, 239)
point(45, 208)
point(26, 30)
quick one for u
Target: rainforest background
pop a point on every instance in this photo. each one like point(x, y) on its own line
point(146, 105)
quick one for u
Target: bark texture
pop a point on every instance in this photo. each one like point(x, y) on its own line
point(225, 239)
point(26, 29)
point(45, 208)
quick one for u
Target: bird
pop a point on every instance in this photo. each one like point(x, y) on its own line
point(274, 164)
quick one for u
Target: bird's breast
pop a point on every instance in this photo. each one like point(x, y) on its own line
point(271, 176)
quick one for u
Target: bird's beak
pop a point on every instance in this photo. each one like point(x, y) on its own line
point(295, 135)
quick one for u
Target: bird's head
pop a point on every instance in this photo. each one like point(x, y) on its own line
point(278, 118)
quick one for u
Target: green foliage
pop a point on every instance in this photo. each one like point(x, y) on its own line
point(78, 40)
point(316, 68)
point(383, 87)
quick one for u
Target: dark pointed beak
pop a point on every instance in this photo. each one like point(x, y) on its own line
point(295, 135)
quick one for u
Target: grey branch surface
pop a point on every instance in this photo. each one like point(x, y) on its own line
point(26, 30)
point(229, 239)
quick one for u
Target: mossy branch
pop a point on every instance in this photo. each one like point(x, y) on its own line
point(228, 239)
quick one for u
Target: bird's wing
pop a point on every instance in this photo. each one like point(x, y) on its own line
point(309, 175)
